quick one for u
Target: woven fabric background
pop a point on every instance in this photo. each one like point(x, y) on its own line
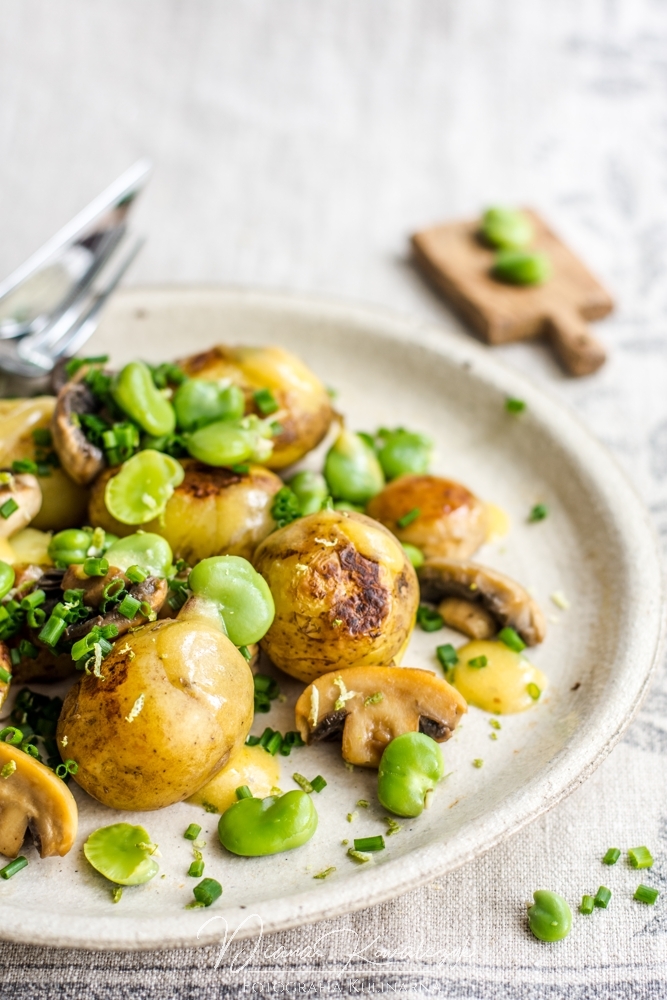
point(297, 145)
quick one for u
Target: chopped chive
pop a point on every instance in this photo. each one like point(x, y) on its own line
point(326, 872)
point(5, 676)
point(640, 857)
point(318, 783)
point(207, 891)
point(495, 724)
point(243, 792)
point(196, 869)
point(21, 465)
point(266, 736)
point(64, 770)
point(587, 904)
point(252, 741)
point(302, 782)
point(15, 657)
point(357, 855)
point(363, 803)
point(511, 639)
point(602, 897)
point(245, 653)
point(42, 437)
point(192, 832)
point(136, 574)
point(96, 566)
point(13, 867)
point(33, 600)
point(428, 619)
point(26, 648)
point(274, 744)
point(369, 843)
point(478, 762)
point(645, 894)
point(534, 691)
point(612, 856)
point(129, 606)
point(241, 469)
point(373, 699)
point(52, 631)
point(11, 735)
point(265, 402)
point(538, 512)
point(447, 656)
point(478, 662)
point(514, 405)
point(7, 509)
point(408, 518)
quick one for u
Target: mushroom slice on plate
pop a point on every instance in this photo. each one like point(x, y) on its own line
point(506, 601)
point(32, 796)
point(370, 706)
point(467, 617)
point(82, 460)
point(151, 594)
point(23, 489)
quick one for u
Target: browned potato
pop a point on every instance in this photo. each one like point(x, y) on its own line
point(452, 522)
point(304, 409)
point(175, 703)
point(213, 512)
point(345, 594)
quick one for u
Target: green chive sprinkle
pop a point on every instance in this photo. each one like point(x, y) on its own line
point(245, 653)
point(318, 783)
point(587, 904)
point(538, 512)
point(274, 744)
point(511, 639)
point(136, 574)
point(478, 662)
point(640, 857)
point(369, 843)
point(243, 792)
point(428, 619)
point(129, 606)
point(192, 832)
point(196, 869)
point(5, 675)
point(515, 405)
point(326, 873)
point(13, 867)
point(602, 897)
point(95, 567)
point(302, 782)
point(207, 891)
point(7, 509)
point(265, 402)
point(356, 856)
point(534, 691)
point(645, 894)
point(447, 656)
point(408, 518)
point(612, 856)
point(478, 762)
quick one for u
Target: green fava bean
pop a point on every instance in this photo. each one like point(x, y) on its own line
point(122, 853)
point(7, 577)
point(257, 827)
point(519, 268)
point(241, 594)
point(311, 490)
point(411, 766)
point(134, 391)
point(70, 546)
point(550, 917)
point(198, 402)
point(228, 442)
point(506, 228)
point(415, 555)
point(352, 469)
point(402, 452)
point(140, 491)
point(150, 552)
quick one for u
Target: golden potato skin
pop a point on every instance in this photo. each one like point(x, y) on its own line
point(345, 594)
point(197, 711)
point(304, 412)
point(213, 512)
point(452, 521)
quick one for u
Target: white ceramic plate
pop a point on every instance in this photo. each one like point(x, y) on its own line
point(596, 546)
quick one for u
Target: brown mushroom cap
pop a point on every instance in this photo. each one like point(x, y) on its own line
point(82, 460)
point(24, 489)
point(452, 521)
point(153, 591)
point(32, 796)
point(507, 601)
point(412, 701)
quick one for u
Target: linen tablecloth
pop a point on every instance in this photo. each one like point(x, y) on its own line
point(297, 145)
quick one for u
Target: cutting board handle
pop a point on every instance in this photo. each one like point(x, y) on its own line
point(575, 345)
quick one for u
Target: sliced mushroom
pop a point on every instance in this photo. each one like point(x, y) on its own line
point(33, 797)
point(24, 490)
point(505, 600)
point(5, 671)
point(82, 460)
point(152, 591)
point(372, 705)
point(467, 617)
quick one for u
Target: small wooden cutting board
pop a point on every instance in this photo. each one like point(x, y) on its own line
point(455, 257)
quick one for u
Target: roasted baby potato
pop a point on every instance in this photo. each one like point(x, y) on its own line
point(303, 406)
point(448, 520)
point(345, 594)
point(63, 501)
point(214, 511)
point(175, 701)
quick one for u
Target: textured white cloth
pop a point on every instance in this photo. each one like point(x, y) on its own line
point(297, 144)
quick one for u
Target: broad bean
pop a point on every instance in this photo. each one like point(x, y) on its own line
point(198, 402)
point(352, 469)
point(133, 389)
point(411, 766)
point(256, 827)
point(140, 491)
point(550, 917)
point(241, 594)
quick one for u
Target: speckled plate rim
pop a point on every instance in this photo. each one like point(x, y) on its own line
point(565, 772)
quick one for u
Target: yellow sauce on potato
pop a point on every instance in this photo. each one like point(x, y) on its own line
point(251, 766)
point(502, 686)
point(497, 522)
